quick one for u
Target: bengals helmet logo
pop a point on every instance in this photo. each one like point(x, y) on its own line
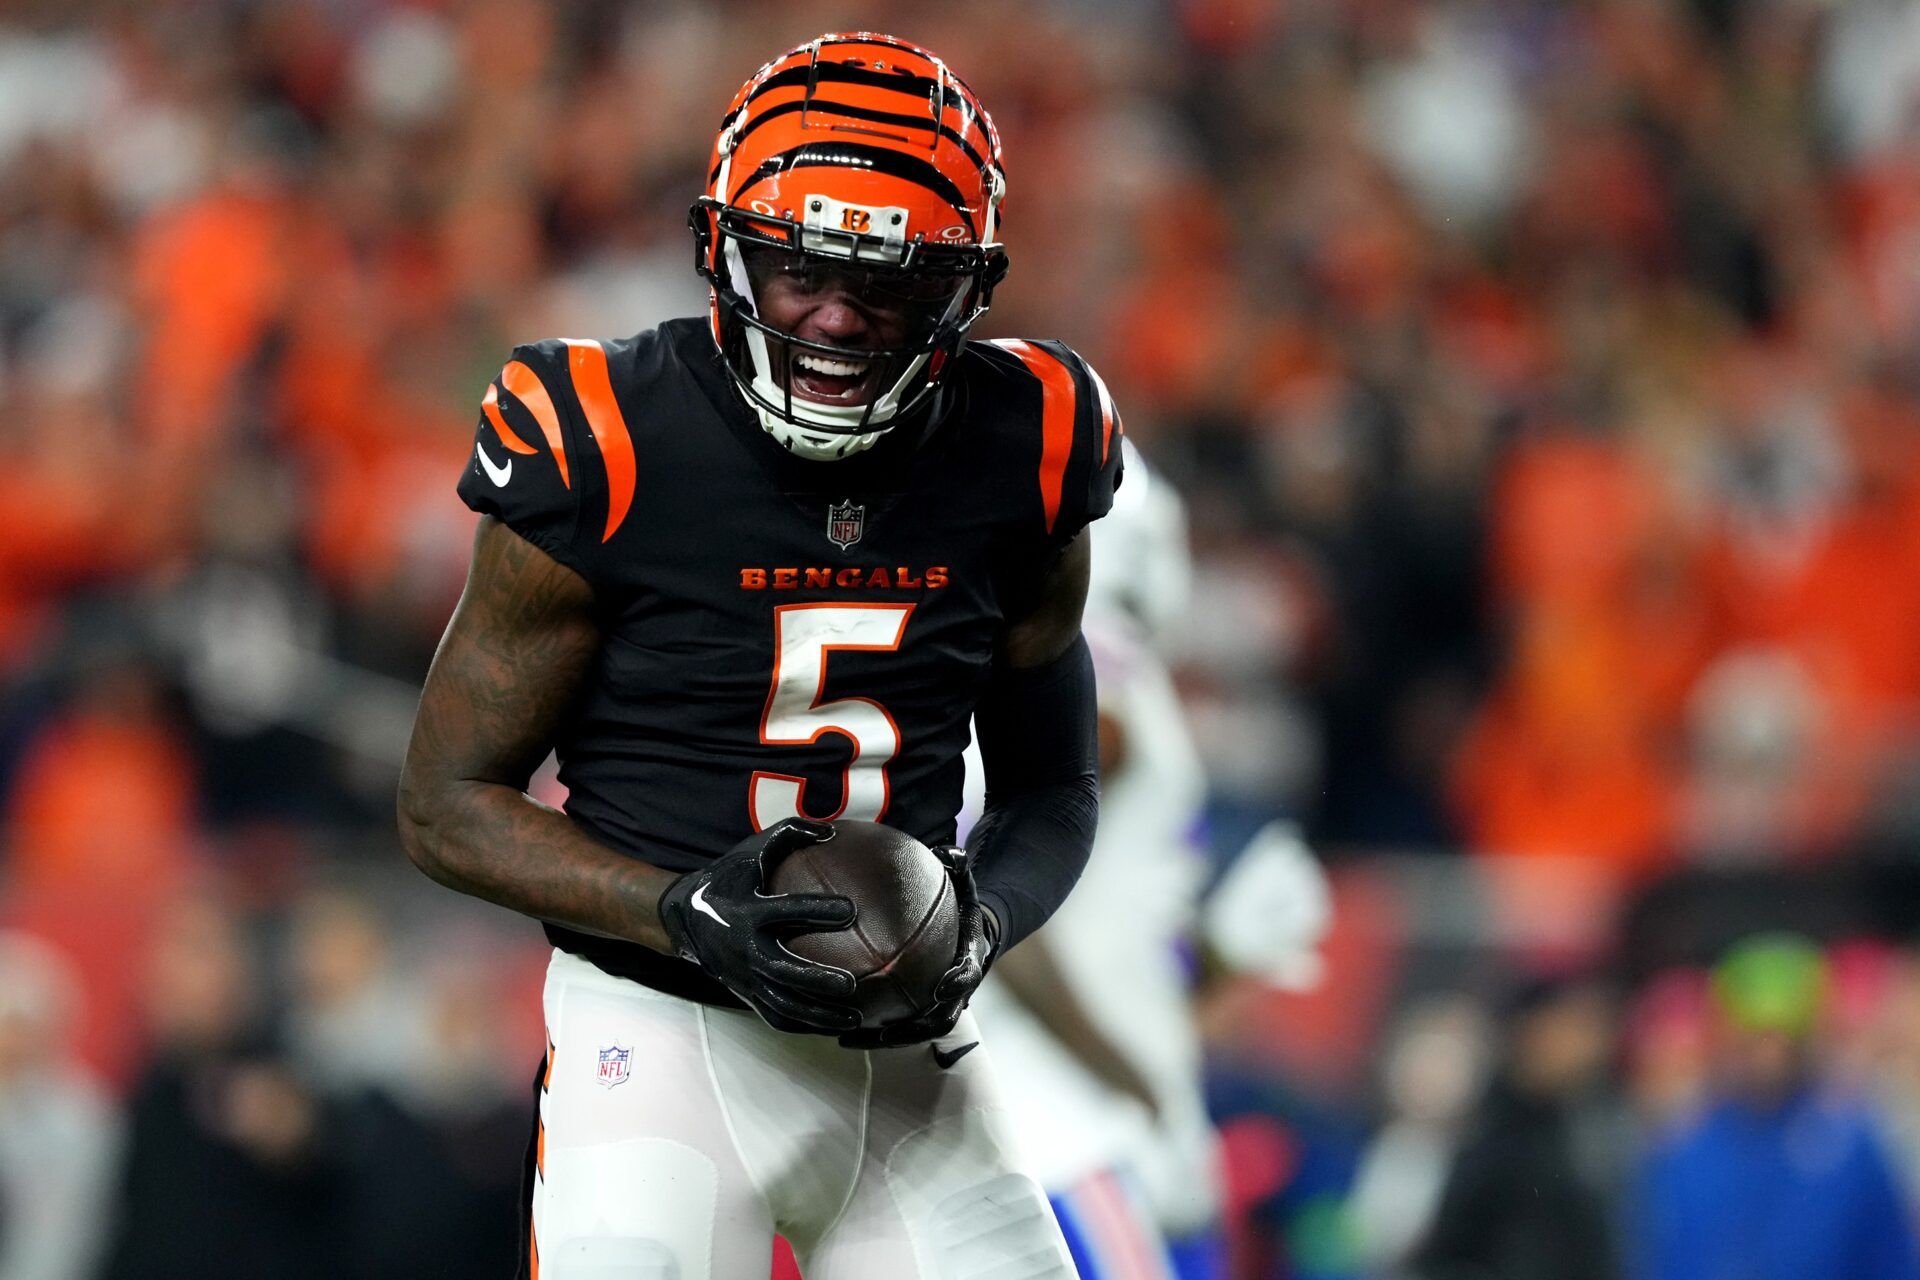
point(858, 221)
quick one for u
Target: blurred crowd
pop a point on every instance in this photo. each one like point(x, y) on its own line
point(307, 1102)
point(1543, 377)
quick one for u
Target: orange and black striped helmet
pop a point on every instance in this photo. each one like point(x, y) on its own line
point(856, 164)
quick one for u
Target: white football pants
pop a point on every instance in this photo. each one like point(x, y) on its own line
point(676, 1139)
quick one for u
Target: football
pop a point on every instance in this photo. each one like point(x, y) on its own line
point(908, 927)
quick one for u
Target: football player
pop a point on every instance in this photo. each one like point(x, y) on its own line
point(1087, 1020)
point(745, 573)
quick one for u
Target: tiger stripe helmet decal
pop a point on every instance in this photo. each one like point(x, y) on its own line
point(861, 148)
point(897, 126)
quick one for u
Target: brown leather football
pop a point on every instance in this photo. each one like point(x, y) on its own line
point(908, 924)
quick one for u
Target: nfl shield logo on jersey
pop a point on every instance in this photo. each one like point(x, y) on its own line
point(616, 1064)
point(845, 524)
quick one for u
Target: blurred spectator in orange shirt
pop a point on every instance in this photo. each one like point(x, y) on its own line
point(105, 793)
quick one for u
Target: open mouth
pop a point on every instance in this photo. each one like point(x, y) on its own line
point(830, 381)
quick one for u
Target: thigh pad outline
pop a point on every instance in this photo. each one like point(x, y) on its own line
point(969, 1216)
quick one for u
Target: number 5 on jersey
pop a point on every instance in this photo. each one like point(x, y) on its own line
point(805, 636)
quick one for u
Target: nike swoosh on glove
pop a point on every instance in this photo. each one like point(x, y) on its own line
point(721, 918)
point(957, 985)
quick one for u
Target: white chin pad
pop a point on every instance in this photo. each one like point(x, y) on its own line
point(839, 439)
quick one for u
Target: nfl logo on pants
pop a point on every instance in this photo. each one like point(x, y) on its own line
point(616, 1063)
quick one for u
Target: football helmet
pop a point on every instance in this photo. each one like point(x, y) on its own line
point(856, 169)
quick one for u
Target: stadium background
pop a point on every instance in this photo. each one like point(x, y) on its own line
point(1540, 376)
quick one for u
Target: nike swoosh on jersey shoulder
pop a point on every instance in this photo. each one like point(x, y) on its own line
point(498, 474)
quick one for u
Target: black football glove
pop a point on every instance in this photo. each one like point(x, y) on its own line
point(958, 984)
point(721, 918)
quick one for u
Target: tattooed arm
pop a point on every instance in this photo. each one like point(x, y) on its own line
point(521, 642)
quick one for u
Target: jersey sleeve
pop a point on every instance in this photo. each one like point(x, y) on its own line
point(1080, 460)
point(526, 465)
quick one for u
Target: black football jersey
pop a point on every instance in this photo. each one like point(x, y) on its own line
point(782, 636)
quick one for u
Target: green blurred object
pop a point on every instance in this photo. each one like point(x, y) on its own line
point(1772, 982)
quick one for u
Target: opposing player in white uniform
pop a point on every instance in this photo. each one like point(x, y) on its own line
point(1099, 1047)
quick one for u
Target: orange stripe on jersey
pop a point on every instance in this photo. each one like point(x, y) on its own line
point(533, 1249)
point(525, 386)
point(1056, 420)
point(594, 385)
point(491, 407)
point(1109, 419)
